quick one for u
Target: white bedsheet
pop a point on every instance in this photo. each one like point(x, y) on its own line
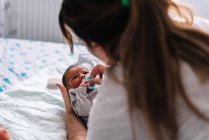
point(28, 109)
point(31, 111)
point(20, 59)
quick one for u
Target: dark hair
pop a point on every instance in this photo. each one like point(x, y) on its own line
point(82, 18)
point(150, 46)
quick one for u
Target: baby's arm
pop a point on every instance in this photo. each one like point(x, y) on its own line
point(80, 102)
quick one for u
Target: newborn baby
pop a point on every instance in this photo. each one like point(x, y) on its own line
point(82, 93)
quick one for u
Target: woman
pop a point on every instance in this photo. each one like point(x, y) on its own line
point(157, 85)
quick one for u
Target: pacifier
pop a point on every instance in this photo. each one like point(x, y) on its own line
point(91, 87)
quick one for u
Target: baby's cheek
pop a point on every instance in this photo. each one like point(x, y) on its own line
point(80, 82)
point(76, 83)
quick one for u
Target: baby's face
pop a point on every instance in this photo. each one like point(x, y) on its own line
point(75, 76)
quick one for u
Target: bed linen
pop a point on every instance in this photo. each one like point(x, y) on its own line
point(20, 59)
point(30, 110)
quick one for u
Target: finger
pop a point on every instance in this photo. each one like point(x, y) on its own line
point(94, 72)
point(88, 84)
point(65, 96)
point(101, 75)
point(84, 85)
point(62, 88)
point(98, 70)
point(95, 81)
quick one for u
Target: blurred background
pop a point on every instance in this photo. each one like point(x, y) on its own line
point(38, 19)
point(200, 7)
point(30, 19)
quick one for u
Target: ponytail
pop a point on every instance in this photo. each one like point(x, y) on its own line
point(151, 57)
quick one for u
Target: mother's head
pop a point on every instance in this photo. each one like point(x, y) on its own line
point(121, 31)
point(100, 23)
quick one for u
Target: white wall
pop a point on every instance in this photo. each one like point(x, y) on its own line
point(200, 7)
point(30, 19)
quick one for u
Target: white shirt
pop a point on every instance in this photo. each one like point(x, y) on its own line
point(109, 117)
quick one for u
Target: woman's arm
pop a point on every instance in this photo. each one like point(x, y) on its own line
point(75, 128)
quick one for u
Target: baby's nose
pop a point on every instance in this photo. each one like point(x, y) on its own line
point(82, 76)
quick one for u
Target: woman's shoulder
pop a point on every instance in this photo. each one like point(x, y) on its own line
point(190, 125)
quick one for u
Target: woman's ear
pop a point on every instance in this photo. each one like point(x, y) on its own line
point(98, 51)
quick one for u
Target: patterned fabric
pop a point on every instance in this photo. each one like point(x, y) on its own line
point(20, 59)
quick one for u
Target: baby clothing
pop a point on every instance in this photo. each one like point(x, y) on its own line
point(82, 100)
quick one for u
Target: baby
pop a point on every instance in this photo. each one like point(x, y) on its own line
point(82, 93)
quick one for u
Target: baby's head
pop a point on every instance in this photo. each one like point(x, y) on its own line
point(74, 76)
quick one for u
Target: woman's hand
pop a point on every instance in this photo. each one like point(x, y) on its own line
point(84, 84)
point(65, 97)
point(97, 81)
point(75, 128)
point(98, 70)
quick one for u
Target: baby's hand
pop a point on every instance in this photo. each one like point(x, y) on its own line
point(95, 81)
point(84, 84)
point(98, 70)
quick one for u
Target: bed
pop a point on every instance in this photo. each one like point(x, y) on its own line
point(28, 108)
